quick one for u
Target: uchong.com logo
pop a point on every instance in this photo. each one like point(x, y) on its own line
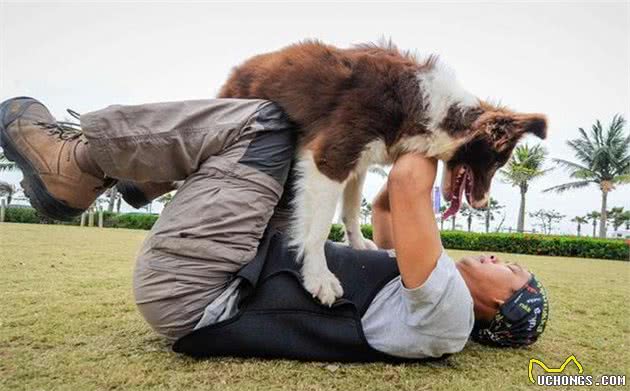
point(556, 376)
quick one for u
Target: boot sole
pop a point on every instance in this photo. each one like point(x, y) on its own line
point(132, 194)
point(34, 188)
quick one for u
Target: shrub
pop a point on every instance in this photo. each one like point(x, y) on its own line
point(566, 246)
point(22, 215)
point(134, 220)
point(110, 219)
point(337, 233)
point(366, 229)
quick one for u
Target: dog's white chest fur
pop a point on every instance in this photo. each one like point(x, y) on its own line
point(317, 195)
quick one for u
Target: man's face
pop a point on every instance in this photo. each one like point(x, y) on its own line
point(491, 282)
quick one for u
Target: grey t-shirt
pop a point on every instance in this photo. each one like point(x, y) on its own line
point(433, 319)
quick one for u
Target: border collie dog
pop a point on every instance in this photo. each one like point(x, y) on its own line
point(367, 105)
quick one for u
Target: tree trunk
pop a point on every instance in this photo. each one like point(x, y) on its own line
point(118, 202)
point(579, 229)
point(112, 199)
point(469, 222)
point(594, 227)
point(441, 224)
point(488, 215)
point(602, 217)
point(520, 227)
point(453, 223)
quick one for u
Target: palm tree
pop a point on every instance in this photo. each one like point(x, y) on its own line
point(488, 213)
point(8, 190)
point(524, 166)
point(579, 220)
point(378, 170)
point(468, 212)
point(618, 217)
point(442, 210)
point(604, 160)
point(366, 211)
point(112, 195)
point(6, 164)
point(594, 216)
point(166, 198)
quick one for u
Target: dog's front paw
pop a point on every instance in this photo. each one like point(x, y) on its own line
point(323, 285)
point(369, 245)
point(358, 242)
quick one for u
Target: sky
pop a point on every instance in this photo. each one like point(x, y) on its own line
point(570, 61)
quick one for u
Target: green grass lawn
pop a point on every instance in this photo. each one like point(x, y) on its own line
point(68, 322)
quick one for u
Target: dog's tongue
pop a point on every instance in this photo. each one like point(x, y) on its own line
point(456, 199)
point(452, 209)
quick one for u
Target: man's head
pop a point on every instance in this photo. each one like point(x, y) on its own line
point(510, 304)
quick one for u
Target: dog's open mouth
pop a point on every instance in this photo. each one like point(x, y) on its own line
point(462, 179)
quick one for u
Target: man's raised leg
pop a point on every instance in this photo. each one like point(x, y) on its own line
point(66, 167)
point(233, 155)
point(213, 225)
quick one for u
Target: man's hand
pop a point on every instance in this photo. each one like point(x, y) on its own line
point(425, 169)
point(415, 168)
point(416, 237)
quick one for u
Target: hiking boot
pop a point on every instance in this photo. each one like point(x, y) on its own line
point(139, 194)
point(60, 178)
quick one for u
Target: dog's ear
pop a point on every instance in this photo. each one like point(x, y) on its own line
point(532, 123)
point(505, 129)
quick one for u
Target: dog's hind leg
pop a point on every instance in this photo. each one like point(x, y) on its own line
point(352, 196)
point(315, 203)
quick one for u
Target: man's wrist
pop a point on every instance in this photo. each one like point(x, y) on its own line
point(414, 173)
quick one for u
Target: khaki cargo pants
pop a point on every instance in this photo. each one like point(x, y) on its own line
point(234, 157)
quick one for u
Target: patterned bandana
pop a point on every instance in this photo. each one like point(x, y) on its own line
point(519, 321)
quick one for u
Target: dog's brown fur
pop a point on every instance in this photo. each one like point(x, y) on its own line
point(341, 99)
point(365, 105)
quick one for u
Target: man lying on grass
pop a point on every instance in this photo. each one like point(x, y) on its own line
point(215, 274)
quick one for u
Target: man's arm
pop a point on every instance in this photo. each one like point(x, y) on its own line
point(415, 233)
point(382, 220)
point(428, 312)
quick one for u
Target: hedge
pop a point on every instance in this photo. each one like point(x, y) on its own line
point(110, 219)
point(553, 245)
point(566, 246)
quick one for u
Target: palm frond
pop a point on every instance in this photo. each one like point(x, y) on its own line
point(525, 165)
point(380, 171)
point(6, 164)
point(568, 186)
point(622, 179)
point(571, 166)
point(6, 188)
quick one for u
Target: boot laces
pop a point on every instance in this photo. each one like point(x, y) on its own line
point(65, 130)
